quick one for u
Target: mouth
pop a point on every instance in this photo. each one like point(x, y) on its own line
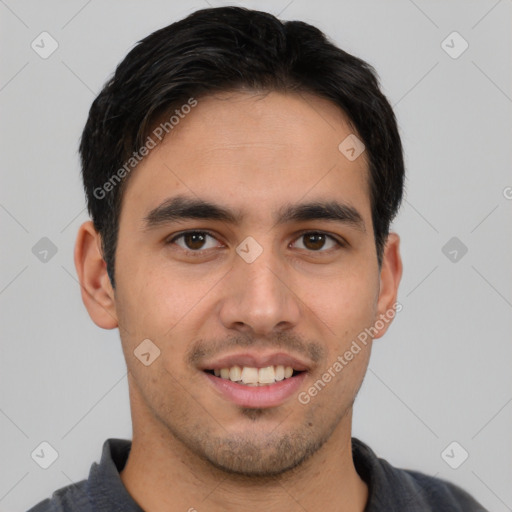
point(252, 376)
point(256, 381)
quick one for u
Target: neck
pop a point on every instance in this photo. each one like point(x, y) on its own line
point(162, 474)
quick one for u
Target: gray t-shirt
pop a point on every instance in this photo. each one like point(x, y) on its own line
point(389, 489)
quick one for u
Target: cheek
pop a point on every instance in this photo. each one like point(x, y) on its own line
point(344, 304)
point(167, 305)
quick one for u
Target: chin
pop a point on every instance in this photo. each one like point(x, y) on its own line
point(264, 456)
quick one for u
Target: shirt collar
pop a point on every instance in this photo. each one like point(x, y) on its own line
point(105, 488)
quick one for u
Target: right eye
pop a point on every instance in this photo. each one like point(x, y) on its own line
point(193, 241)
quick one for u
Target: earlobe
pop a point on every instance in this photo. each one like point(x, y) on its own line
point(390, 275)
point(96, 289)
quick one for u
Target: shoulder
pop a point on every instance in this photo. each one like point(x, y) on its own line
point(67, 499)
point(396, 489)
point(103, 490)
point(438, 494)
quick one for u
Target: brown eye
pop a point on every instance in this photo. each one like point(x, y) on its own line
point(316, 241)
point(194, 240)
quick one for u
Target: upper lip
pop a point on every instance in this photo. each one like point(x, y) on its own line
point(255, 360)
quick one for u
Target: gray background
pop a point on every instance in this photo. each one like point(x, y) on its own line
point(441, 374)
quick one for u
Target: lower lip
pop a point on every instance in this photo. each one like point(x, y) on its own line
point(257, 397)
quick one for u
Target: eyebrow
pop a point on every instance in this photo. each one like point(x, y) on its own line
point(181, 208)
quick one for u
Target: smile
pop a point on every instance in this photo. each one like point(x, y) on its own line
point(252, 376)
point(255, 393)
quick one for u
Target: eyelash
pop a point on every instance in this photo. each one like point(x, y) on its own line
point(198, 252)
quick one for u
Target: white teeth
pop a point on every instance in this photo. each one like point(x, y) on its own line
point(235, 373)
point(279, 372)
point(255, 376)
point(250, 375)
point(266, 375)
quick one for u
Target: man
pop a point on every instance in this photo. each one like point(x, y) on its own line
point(242, 174)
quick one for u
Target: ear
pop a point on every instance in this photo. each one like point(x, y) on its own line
point(97, 291)
point(390, 275)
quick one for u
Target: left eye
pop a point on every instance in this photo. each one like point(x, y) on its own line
point(314, 241)
point(196, 241)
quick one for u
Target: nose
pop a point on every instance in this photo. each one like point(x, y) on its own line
point(259, 297)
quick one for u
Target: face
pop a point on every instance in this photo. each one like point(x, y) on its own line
point(250, 284)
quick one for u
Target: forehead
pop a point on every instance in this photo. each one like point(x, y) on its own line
point(254, 151)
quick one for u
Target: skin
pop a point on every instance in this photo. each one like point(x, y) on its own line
point(192, 448)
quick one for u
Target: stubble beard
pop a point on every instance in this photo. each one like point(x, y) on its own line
point(260, 456)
